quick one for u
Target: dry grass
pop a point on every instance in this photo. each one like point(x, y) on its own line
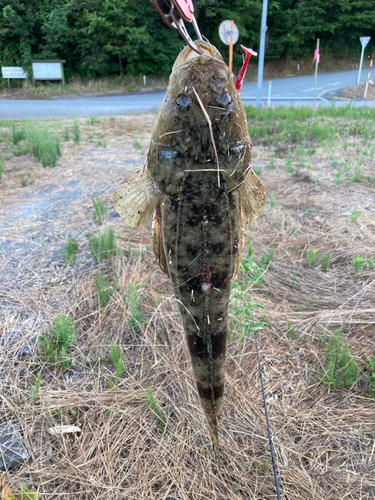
point(358, 91)
point(324, 441)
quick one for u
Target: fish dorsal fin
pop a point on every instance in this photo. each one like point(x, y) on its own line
point(253, 197)
point(136, 198)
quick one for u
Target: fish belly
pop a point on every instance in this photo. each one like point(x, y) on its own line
point(201, 240)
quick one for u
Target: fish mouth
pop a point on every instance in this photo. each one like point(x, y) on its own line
point(188, 54)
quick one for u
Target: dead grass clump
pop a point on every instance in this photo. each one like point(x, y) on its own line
point(130, 447)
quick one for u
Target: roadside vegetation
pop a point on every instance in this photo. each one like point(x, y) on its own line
point(93, 337)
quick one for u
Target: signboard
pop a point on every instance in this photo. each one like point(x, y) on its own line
point(365, 40)
point(48, 70)
point(225, 32)
point(13, 72)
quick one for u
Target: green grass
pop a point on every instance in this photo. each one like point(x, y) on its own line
point(43, 145)
point(271, 200)
point(102, 244)
point(137, 144)
point(66, 134)
point(155, 410)
point(271, 163)
point(115, 354)
point(370, 377)
point(341, 369)
point(133, 302)
point(100, 210)
point(291, 331)
point(354, 216)
point(76, 132)
point(55, 345)
point(257, 171)
point(265, 260)
point(69, 251)
point(324, 261)
point(17, 133)
point(26, 181)
point(358, 262)
point(104, 289)
point(34, 388)
point(310, 256)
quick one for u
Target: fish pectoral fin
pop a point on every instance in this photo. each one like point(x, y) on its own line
point(136, 198)
point(157, 241)
point(252, 196)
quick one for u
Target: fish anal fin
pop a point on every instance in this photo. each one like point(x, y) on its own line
point(136, 198)
point(157, 241)
point(252, 196)
point(241, 244)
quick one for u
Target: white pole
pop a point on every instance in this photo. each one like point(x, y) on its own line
point(144, 80)
point(263, 30)
point(316, 78)
point(269, 93)
point(360, 64)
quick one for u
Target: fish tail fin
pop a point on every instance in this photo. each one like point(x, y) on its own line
point(215, 439)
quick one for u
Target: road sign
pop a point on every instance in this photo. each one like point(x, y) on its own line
point(225, 32)
point(365, 40)
point(13, 72)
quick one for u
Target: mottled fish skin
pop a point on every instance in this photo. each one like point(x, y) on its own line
point(200, 212)
point(201, 188)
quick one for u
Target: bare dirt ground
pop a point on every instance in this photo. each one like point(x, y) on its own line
point(324, 439)
point(358, 92)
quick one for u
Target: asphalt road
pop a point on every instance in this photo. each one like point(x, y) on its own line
point(285, 91)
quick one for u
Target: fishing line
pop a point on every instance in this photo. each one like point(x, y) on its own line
point(265, 407)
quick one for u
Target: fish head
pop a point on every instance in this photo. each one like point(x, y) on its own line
point(201, 121)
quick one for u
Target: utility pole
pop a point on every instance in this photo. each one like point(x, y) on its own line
point(263, 30)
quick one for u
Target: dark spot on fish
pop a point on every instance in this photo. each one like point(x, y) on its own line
point(224, 100)
point(207, 393)
point(183, 103)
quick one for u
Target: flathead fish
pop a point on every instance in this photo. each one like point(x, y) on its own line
point(199, 185)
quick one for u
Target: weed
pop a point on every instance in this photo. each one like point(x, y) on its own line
point(93, 120)
point(271, 200)
point(310, 256)
point(69, 251)
point(293, 278)
point(293, 230)
point(354, 216)
point(102, 244)
point(341, 369)
point(358, 262)
point(56, 345)
point(26, 494)
point(100, 210)
point(257, 171)
point(324, 261)
point(338, 178)
point(264, 465)
point(271, 163)
point(291, 329)
point(26, 181)
point(116, 358)
point(311, 151)
point(357, 177)
point(334, 163)
point(110, 383)
point(34, 388)
point(137, 144)
point(370, 378)
point(16, 134)
point(76, 132)
point(134, 299)
point(1, 168)
point(288, 164)
point(66, 134)
point(155, 410)
point(44, 145)
point(265, 260)
point(104, 289)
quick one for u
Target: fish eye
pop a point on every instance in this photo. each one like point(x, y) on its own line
point(183, 102)
point(224, 100)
